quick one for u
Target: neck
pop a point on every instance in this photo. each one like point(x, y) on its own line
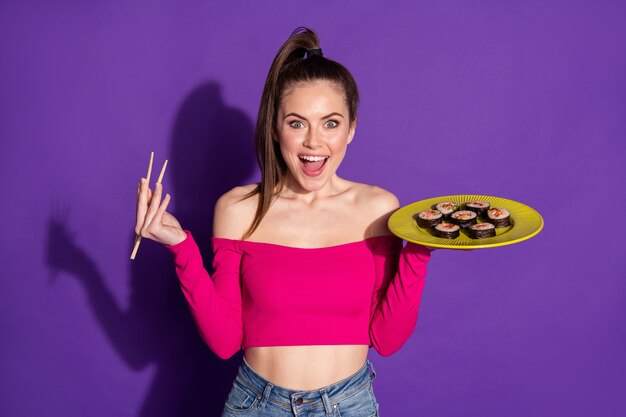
point(293, 190)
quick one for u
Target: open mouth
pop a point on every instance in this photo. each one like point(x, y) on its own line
point(313, 165)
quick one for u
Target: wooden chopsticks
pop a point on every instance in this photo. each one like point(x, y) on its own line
point(138, 236)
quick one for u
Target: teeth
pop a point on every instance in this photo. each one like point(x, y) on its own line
point(313, 158)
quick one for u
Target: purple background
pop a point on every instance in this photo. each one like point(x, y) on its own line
point(524, 100)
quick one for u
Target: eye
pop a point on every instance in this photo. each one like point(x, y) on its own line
point(296, 124)
point(331, 124)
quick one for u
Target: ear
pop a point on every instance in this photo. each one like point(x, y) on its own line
point(352, 130)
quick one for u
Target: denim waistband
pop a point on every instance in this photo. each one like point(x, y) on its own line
point(321, 398)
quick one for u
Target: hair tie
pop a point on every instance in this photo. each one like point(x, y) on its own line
point(313, 52)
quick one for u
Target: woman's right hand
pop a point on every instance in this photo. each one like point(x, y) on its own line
point(153, 221)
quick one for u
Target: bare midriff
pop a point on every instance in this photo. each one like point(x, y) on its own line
point(306, 367)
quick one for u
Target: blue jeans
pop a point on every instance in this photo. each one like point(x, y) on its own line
point(251, 395)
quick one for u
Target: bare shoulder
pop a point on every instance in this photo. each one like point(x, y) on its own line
point(379, 199)
point(234, 212)
point(379, 204)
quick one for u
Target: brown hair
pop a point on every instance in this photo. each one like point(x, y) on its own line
point(291, 65)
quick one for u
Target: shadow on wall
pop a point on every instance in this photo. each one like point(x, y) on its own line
point(211, 152)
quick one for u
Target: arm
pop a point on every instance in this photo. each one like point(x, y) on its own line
point(215, 302)
point(400, 274)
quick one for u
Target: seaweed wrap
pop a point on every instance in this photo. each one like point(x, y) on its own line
point(478, 207)
point(428, 219)
point(481, 230)
point(447, 208)
point(499, 217)
point(464, 218)
point(447, 230)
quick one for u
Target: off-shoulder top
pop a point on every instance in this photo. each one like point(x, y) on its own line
point(263, 294)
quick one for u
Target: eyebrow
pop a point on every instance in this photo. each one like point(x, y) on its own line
point(302, 117)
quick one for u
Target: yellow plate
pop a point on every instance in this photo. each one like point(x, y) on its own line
point(526, 223)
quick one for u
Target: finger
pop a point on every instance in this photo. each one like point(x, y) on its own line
point(155, 201)
point(152, 207)
point(145, 187)
point(142, 206)
point(137, 203)
point(158, 217)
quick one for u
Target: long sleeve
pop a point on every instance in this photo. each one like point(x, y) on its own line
point(215, 302)
point(400, 274)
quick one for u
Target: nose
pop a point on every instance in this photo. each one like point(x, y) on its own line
point(312, 139)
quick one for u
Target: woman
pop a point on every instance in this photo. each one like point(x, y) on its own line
point(307, 277)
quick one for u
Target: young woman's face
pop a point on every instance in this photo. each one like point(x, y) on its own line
point(314, 130)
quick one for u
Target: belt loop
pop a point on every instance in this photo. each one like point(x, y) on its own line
point(373, 375)
point(326, 401)
point(266, 395)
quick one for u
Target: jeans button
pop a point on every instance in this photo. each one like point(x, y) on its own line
point(299, 401)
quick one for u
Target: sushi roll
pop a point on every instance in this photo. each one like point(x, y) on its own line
point(478, 207)
point(481, 230)
point(447, 230)
point(464, 218)
point(428, 219)
point(499, 217)
point(447, 208)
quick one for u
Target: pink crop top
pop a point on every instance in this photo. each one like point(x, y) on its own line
point(263, 294)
